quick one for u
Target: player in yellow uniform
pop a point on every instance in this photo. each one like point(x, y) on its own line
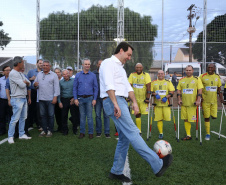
point(189, 92)
point(212, 87)
point(141, 83)
point(162, 90)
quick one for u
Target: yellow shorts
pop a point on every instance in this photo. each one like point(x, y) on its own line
point(143, 107)
point(209, 109)
point(162, 113)
point(188, 113)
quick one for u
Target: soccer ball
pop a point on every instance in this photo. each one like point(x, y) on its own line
point(162, 148)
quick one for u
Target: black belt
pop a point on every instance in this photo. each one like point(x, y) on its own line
point(84, 96)
point(104, 98)
point(3, 99)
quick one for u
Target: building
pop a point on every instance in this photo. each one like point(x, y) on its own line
point(183, 55)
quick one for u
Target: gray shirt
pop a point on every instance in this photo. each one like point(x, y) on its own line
point(17, 86)
point(48, 86)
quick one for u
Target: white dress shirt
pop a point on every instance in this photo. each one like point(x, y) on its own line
point(113, 77)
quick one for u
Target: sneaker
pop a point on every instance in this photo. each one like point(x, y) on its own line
point(40, 129)
point(207, 137)
point(10, 140)
point(98, 135)
point(107, 135)
point(49, 134)
point(116, 134)
point(167, 161)
point(24, 137)
point(186, 138)
point(160, 136)
point(121, 177)
point(140, 134)
point(42, 134)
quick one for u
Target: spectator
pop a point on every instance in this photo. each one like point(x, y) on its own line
point(66, 102)
point(98, 109)
point(85, 90)
point(33, 108)
point(167, 76)
point(70, 69)
point(5, 112)
point(57, 109)
point(47, 84)
point(18, 84)
point(174, 80)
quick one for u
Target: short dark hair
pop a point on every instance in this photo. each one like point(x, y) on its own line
point(4, 68)
point(189, 66)
point(123, 45)
point(47, 61)
point(39, 60)
point(17, 60)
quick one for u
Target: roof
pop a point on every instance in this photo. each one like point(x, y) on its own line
point(158, 64)
point(185, 51)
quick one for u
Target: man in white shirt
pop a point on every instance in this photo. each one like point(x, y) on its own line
point(114, 88)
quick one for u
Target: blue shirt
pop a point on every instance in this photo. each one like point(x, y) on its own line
point(85, 84)
point(31, 73)
point(2, 87)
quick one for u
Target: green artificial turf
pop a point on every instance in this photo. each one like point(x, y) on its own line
point(69, 160)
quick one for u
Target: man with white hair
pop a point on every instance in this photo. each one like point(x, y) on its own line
point(141, 83)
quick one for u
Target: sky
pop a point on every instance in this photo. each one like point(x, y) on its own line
point(19, 19)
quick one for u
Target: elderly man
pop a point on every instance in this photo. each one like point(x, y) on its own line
point(70, 69)
point(33, 108)
point(189, 92)
point(5, 112)
point(162, 90)
point(18, 86)
point(212, 87)
point(98, 109)
point(47, 84)
point(114, 88)
point(66, 102)
point(85, 90)
point(141, 83)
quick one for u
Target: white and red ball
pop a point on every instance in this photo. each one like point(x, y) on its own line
point(162, 148)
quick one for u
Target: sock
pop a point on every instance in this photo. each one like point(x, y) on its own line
point(207, 125)
point(138, 123)
point(160, 126)
point(187, 126)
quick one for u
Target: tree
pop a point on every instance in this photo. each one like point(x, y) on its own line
point(216, 32)
point(4, 39)
point(97, 29)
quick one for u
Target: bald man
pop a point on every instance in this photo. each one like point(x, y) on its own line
point(141, 83)
point(162, 90)
point(212, 87)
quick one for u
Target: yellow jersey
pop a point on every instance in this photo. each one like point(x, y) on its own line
point(139, 82)
point(210, 83)
point(189, 88)
point(162, 88)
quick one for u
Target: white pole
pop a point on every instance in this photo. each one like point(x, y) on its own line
point(204, 35)
point(37, 29)
point(78, 39)
point(162, 29)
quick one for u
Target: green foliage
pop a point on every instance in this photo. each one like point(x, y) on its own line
point(216, 32)
point(97, 29)
point(4, 38)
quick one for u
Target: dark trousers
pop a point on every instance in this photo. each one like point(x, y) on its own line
point(74, 110)
point(58, 113)
point(33, 111)
point(5, 115)
point(47, 115)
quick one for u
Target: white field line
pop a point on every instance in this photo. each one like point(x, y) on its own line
point(126, 170)
point(6, 139)
point(218, 134)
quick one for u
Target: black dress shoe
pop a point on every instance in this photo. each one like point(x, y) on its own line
point(81, 136)
point(167, 161)
point(121, 177)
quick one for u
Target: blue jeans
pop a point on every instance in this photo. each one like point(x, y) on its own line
point(86, 110)
point(19, 106)
point(129, 133)
point(98, 109)
point(47, 115)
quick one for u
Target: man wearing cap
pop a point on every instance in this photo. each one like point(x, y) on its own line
point(70, 69)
